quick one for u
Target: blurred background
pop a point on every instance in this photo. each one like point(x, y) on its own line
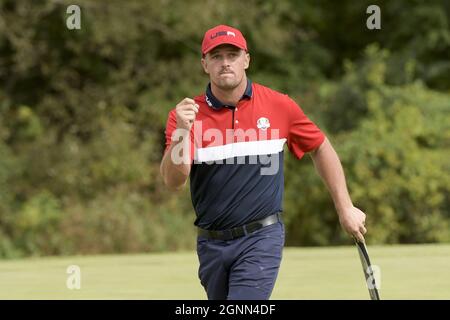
point(83, 113)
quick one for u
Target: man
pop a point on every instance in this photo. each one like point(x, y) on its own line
point(229, 141)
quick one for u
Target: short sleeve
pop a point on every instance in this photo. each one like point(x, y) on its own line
point(171, 126)
point(303, 136)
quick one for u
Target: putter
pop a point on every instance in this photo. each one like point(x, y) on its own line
point(368, 271)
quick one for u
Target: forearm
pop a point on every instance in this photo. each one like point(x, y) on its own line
point(175, 165)
point(329, 167)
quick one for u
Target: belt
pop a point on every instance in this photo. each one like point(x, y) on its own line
point(238, 232)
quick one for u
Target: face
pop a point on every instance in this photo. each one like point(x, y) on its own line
point(226, 65)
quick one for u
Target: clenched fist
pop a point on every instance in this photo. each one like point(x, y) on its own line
point(186, 112)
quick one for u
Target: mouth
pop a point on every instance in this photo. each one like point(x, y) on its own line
point(226, 72)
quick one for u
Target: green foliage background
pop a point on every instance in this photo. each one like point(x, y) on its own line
point(82, 117)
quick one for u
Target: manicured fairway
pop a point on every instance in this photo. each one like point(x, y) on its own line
point(407, 272)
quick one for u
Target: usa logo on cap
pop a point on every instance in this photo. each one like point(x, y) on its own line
point(223, 34)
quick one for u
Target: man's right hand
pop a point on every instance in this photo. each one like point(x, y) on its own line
point(186, 111)
point(175, 174)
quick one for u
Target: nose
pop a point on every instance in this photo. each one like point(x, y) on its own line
point(225, 63)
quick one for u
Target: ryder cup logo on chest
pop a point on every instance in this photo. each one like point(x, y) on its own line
point(263, 123)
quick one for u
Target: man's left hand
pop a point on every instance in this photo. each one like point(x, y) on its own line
point(353, 221)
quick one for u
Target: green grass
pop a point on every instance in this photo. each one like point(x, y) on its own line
point(407, 272)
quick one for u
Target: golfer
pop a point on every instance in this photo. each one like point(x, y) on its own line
point(229, 142)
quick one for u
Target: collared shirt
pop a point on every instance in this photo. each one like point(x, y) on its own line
point(215, 103)
point(237, 154)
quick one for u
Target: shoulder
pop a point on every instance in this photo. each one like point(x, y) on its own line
point(268, 93)
point(282, 100)
point(262, 90)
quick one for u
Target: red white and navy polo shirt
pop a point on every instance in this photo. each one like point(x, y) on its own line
point(237, 153)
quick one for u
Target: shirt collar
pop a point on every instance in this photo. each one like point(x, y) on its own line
point(216, 104)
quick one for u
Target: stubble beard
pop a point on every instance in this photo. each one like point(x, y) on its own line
point(228, 84)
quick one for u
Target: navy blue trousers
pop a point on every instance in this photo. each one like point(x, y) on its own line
point(244, 268)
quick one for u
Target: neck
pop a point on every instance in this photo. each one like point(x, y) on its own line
point(232, 96)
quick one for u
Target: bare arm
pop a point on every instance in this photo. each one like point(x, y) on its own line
point(176, 162)
point(329, 167)
point(175, 174)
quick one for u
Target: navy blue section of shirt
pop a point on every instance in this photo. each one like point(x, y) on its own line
point(229, 195)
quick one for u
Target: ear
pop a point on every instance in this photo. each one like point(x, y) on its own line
point(205, 65)
point(247, 60)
